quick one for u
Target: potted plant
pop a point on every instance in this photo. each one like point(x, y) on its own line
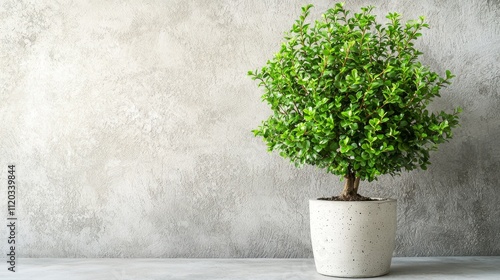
point(349, 95)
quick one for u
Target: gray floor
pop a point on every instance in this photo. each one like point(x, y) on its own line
point(241, 269)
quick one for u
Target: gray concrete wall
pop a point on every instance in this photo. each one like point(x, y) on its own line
point(129, 123)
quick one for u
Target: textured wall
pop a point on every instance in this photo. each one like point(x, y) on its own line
point(129, 123)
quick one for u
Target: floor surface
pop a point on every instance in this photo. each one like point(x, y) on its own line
point(239, 269)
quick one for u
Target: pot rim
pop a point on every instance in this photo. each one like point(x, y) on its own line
point(378, 200)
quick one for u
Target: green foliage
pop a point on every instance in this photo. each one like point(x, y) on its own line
point(349, 95)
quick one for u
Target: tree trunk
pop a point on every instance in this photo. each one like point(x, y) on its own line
point(350, 191)
point(356, 184)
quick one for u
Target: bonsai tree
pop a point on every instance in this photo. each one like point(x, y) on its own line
point(349, 95)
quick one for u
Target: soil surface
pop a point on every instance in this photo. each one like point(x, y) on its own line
point(352, 198)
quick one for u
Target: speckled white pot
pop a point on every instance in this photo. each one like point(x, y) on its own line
point(353, 238)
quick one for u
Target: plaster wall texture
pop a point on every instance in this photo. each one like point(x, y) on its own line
point(129, 123)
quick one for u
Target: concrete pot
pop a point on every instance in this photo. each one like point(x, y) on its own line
point(353, 238)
